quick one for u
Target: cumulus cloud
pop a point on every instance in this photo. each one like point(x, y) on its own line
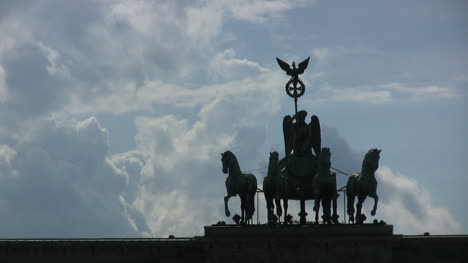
point(89, 52)
point(408, 206)
point(59, 183)
point(182, 186)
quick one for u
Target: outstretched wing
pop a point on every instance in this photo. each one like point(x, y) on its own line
point(287, 133)
point(302, 66)
point(285, 66)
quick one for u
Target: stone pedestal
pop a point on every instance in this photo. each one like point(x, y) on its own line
point(299, 231)
point(300, 243)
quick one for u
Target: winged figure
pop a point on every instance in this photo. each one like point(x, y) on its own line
point(293, 71)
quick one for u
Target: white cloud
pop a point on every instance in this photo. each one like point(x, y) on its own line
point(419, 92)
point(181, 185)
point(382, 94)
point(327, 93)
point(408, 206)
point(228, 67)
point(259, 11)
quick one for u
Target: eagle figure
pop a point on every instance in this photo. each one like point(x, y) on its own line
point(293, 72)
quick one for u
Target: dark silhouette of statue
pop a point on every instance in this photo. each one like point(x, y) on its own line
point(301, 137)
point(293, 71)
point(275, 188)
point(363, 185)
point(288, 135)
point(315, 135)
point(238, 183)
point(325, 189)
point(301, 134)
point(296, 133)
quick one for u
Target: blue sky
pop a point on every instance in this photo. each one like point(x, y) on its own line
point(114, 113)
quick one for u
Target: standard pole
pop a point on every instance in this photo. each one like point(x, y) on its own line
point(258, 211)
point(295, 108)
point(344, 206)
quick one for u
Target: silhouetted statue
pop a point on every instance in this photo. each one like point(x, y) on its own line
point(325, 189)
point(300, 136)
point(288, 134)
point(293, 71)
point(237, 183)
point(275, 188)
point(296, 131)
point(315, 135)
point(363, 185)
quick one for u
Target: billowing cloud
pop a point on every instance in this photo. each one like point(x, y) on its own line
point(159, 63)
point(59, 183)
point(408, 206)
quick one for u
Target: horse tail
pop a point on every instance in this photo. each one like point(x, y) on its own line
point(251, 184)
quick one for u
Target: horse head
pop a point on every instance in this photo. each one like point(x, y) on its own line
point(273, 163)
point(224, 160)
point(324, 157)
point(274, 157)
point(371, 160)
point(229, 160)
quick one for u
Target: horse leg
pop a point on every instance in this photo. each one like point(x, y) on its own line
point(270, 207)
point(251, 200)
point(376, 200)
point(285, 204)
point(360, 218)
point(335, 213)
point(243, 205)
point(279, 211)
point(350, 208)
point(226, 200)
point(326, 210)
point(317, 209)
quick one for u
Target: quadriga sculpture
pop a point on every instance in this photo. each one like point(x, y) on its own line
point(325, 189)
point(237, 183)
point(275, 189)
point(363, 185)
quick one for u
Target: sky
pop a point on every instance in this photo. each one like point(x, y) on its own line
point(113, 113)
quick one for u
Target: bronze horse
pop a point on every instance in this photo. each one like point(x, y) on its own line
point(363, 185)
point(237, 183)
point(275, 189)
point(325, 189)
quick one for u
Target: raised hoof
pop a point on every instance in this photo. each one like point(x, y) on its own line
point(373, 213)
point(228, 213)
